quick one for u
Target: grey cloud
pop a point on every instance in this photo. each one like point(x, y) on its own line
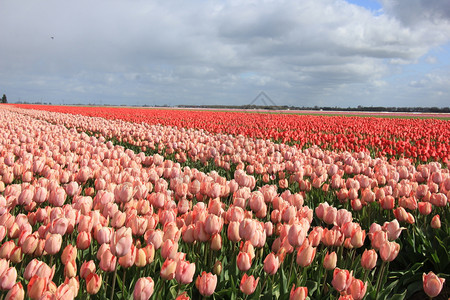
point(208, 51)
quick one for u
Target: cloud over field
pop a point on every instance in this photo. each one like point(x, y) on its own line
point(314, 52)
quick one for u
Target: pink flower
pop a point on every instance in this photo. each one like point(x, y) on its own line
point(341, 279)
point(121, 241)
point(248, 284)
point(271, 264)
point(299, 293)
point(184, 272)
point(389, 251)
point(143, 289)
point(206, 283)
point(244, 261)
point(329, 262)
point(305, 254)
point(357, 289)
point(8, 279)
point(432, 284)
point(369, 259)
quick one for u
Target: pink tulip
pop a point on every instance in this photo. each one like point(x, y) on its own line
point(6, 249)
point(184, 272)
point(37, 287)
point(87, 268)
point(16, 292)
point(305, 254)
point(143, 289)
point(93, 283)
point(108, 261)
point(436, 222)
point(341, 279)
point(369, 259)
point(83, 240)
point(271, 264)
point(357, 289)
point(329, 262)
point(8, 279)
point(206, 283)
point(389, 251)
point(168, 269)
point(299, 293)
point(248, 284)
point(432, 284)
point(121, 241)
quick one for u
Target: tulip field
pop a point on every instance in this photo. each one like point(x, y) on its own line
point(131, 203)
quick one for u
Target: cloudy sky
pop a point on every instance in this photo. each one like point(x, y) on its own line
point(303, 53)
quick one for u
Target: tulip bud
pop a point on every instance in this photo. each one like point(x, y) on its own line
point(217, 269)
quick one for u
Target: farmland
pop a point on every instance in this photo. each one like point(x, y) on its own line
point(117, 203)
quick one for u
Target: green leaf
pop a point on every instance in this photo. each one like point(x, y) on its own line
point(398, 296)
point(312, 286)
point(283, 286)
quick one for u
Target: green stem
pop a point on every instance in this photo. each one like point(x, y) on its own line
point(114, 279)
point(264, 283)
point(324, 287)
point(123, 282)
point(366, 274)
point(290, 269)
point(380, 276)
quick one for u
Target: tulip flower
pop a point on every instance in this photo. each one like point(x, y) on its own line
point(436, 222)
point(248, 284)
point(184, 272)
point(329, 262)
point(206, 283)
point(168, 269)
point(369, 259)
point(357, 289)
point(37, 287)
point(341, 279)
point(87, 268)
point(432, 285)
point(389, 251)
point(244, 261)
point(93, 283)
point(299, 293)
point(121, 242)
point(305, 254)
point(16, 292)
point(143, 289)
point(8, 279)
point(271, 264)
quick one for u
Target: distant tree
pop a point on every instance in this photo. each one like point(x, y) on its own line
point(4, 100)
